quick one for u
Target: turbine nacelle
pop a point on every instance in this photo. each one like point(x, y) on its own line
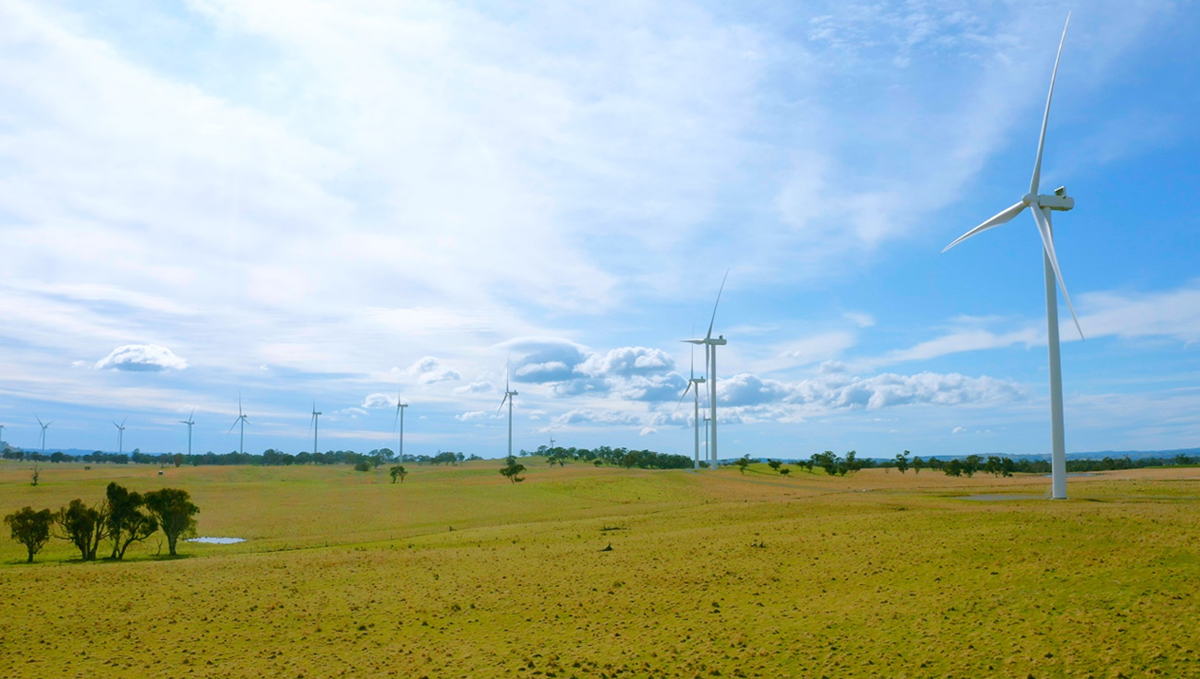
point(1058, 201)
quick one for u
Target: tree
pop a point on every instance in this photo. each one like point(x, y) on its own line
point(83, 526)
point(173, 509)
point(902, 462)
point(30, 528)
point(362, 466)
point(512, 469)
point(178, 459)
point(743, 462)
point(953, 468)
point(37, 472)
point(126, 521)
point(773, 464)
point(398, 472)
point(785, 471)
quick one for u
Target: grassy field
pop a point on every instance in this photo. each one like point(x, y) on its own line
point(456, 572)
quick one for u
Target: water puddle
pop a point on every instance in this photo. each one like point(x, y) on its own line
point(218, 541)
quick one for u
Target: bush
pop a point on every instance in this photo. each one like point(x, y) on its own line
point(362, 466)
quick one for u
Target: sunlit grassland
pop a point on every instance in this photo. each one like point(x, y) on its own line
point(456, 572)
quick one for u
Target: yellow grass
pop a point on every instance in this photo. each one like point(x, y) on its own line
point(710, 574)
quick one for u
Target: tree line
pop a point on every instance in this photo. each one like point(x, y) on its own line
point(123, 517)
point(617, 457)
point(268, 458)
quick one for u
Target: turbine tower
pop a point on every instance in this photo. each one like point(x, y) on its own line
point(710, 358)
point(316, 424)
point(241, 420)
point(189, 423)
point(1, 432)
point(400, 406)
point(45, 426)
point(1040, 206)
point(508, 396)
point(120, 435)
point(694, 386)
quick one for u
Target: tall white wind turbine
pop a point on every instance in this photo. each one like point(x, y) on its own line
point(400, 406)
point(120, 435)
point(710, 358)
point(315, 423)
point(694, 386)
point(45, 426)
point(189, 424)
point(508, 396)
point(241, 420)
point(1040, 206)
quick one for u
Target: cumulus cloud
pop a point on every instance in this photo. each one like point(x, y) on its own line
point(655, 388)
point(592, 416)
point(472, 415)
point(430, 370)
point(141, 358)
point(475, 388)
point(378, 400)
point(628, 361)
point(836, 388)
point(545, 360)
point(647, 431)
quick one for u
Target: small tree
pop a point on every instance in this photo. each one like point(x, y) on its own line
point(743, 462)
point(785, 471)
point(126, 522)
point(398, 472)
point(35, 475)
point(173, 509)
point(83, 526)
point(512, 469)
point(30, 528)
point(178, 459)
point(917, 464)
point(362, 466)
point(902, 462)
point(774, 464)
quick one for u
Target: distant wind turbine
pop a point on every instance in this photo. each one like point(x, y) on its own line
point(1, 432)
point(189, 424)
point(694, 386)
point(400, 406)
point(44, 428)
point(710, 358)
point(315, 423)
point(1041, 205)
point(240, 421)
point(120, 435)
point(508, 396)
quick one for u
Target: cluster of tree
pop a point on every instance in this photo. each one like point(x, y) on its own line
point(617, 457)
point(268, 458)
point(123, 516)
point(512, 469)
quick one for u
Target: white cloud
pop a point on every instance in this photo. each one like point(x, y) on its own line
point(958, 430)
point(471, 415)
point(378, 400)
point(430, 370)
point(628, 361)
point(475, 388)
point(141, 357)
point(647, 431)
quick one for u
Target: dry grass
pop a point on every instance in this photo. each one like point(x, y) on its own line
point(710, 574)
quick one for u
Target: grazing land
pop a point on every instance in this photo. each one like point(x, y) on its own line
point(457, 572)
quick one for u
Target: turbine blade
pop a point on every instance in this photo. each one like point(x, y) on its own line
point(1043, 224)
point(39, 420)
point(692, 370)
point(235, 423)
point(683, 395)
point(714, 313)
point(502, 402)
point(1037, 166)
point(124, 421)
point(1001, 218)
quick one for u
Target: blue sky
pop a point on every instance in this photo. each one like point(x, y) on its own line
point(338, 202)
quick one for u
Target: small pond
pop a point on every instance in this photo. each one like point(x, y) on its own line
point(218, 541)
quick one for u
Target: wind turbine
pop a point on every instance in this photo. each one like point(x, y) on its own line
point(241, 420)
point(1, 432)
point(189, 423)
point(695, 382)
point(120, 435)
point(400, 406)
point(44, 428)
point(316, 424)
point(508, 396)
point(1041, 205)
point(710, 358)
